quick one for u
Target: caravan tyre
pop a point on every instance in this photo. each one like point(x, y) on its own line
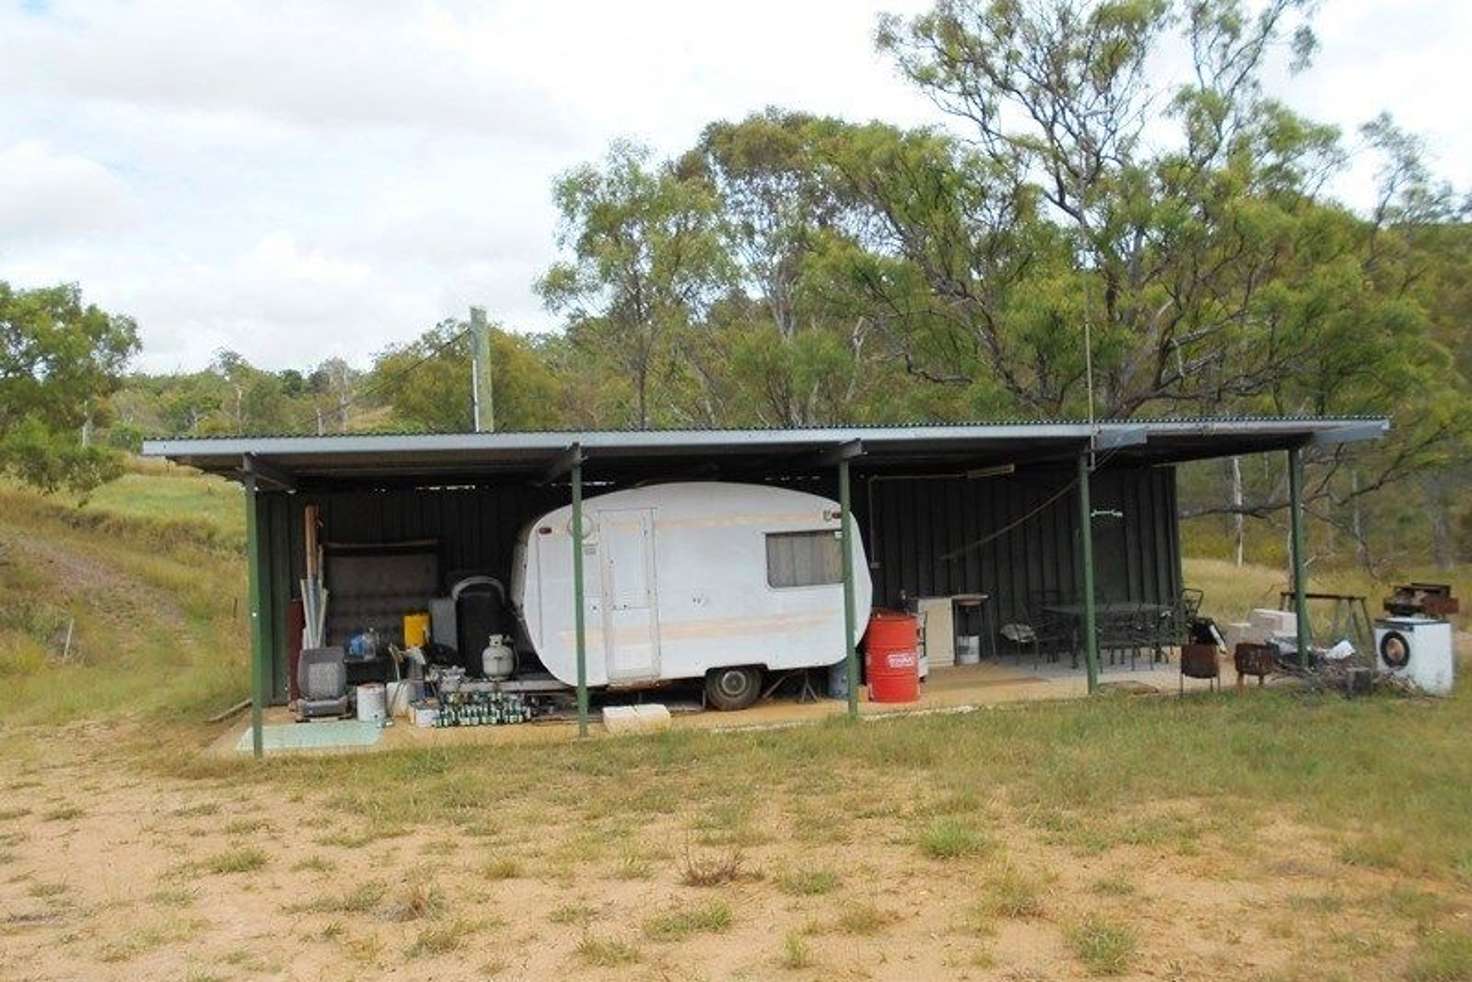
point(732, 688)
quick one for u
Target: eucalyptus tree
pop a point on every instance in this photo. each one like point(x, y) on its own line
point(646, 260)
point(60, 360)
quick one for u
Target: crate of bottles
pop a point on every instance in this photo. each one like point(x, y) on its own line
point(485, 709)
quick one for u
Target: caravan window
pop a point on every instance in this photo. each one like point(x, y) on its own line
point(803, 558)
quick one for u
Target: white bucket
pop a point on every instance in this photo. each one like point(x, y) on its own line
point(400, 694)
point(968, 649)
point(372, 703)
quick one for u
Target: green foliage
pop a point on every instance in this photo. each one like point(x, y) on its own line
point(59, 361)
point(426, 383)
point(646, 260)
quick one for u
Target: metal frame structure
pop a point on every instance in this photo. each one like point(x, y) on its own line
point(298, 463)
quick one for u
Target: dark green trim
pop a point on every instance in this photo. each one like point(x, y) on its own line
point(259, 614)
point(1300, 585)
point(847, 527)
point(579, 629)
point(1086, 564)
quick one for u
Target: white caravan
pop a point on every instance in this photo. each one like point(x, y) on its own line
point(691, 580)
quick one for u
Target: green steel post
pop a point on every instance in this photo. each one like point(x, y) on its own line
point(577, 592)
point(1295, 512)
point(845, 525)
point(1086, 561)
point(257, 626)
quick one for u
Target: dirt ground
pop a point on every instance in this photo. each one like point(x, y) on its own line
point(106, 873)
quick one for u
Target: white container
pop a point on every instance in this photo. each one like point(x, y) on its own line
point(401, 693)
point(424, 715)
point(968, 649)
point(498, 661)
point(372, 702)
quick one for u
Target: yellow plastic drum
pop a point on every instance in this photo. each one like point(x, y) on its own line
point(416, 630)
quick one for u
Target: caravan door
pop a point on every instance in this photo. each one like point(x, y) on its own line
point(630, 602)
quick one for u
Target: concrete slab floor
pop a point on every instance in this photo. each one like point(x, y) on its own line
point(947, 690)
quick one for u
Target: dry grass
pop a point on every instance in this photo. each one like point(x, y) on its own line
point(713, 869)
point(606, 952)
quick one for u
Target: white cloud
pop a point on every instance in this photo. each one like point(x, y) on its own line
point(46, 194)
point(296, 180)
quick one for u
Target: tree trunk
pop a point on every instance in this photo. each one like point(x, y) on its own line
point(1239, 520)
point(1356, 520)
point(1439, 514)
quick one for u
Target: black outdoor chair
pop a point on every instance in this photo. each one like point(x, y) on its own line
point(1043, 631)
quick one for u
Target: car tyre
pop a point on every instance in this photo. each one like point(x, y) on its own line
point(732, 688)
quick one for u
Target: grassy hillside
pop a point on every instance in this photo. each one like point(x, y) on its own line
point(130, 604)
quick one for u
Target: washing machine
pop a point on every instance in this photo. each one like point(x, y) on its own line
point(1418, 650)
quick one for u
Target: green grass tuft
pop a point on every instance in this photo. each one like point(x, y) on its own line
point(952, 838)
point(796, 955)
point(243, 859)
point(1105, 948)
point(677, 925)
point(1442, 957)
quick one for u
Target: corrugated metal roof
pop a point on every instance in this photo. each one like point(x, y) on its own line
point(363, 457)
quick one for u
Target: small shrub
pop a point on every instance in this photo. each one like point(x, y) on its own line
point(711, 871)
point(676, 925)
point(951, 838)
point(606, 952)
point(1104, 948)
point(1442, 957)
point(64, 813)
point(808, 883)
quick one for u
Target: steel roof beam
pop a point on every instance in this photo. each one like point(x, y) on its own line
point(262, 470)
point(1355, 433)
point(564, 462)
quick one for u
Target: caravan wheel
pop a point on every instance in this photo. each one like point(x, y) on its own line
point(732, 688)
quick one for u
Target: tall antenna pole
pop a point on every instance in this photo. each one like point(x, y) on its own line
point(1089, 384)
point(480, 371)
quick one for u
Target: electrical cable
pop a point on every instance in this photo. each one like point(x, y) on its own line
point(1027, 517)
point(397, 377)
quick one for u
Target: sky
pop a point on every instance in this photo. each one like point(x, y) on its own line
point(323, 178)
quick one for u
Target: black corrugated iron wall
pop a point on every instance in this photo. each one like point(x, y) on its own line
point(475, 529)
point(1012, 536)
point(923, 536)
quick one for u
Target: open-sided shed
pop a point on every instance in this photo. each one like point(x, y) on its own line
point(1000, 508)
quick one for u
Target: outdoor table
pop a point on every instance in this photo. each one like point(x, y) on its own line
point(1105, 613)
